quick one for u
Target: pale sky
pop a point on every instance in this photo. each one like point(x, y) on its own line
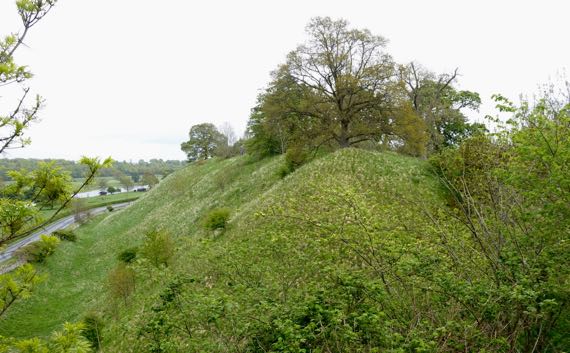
point(128, 78)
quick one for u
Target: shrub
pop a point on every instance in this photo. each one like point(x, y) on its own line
point(283, 171)
point(294, 158)
point(226, 151)
point(122, 282)
point(70, 339)
point(128, 255)
point(158, 248)
point(93, 325)
point(39, 250)
point(110, 208)
point(65, 234)
point(217, 219)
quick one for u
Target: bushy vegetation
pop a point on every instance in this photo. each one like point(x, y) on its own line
point(38, 251)
point(65, 234)
point(122, 281)
point(158, 248)
point(16, 285)
point(128, 255)
point(217, 219)
point(510, 190)
point(69, 339)
point(92, 329)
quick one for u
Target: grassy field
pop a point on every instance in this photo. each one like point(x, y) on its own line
point(72, 278)
point(90, 203)
point(70, 287)
point(97, 201)
point(270, 241)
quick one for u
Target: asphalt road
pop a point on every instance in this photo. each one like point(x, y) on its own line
point(52, 227)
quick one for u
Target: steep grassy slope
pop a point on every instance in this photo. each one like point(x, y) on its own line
point(321, 247)
point(334, 254)
point(76, 273)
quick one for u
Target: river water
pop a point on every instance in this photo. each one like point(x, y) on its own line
point(93, 193)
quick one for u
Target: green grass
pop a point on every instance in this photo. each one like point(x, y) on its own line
point(285, 241)
point(78, 271)
point(91, 202)
point(69, 287)
point(95, 202)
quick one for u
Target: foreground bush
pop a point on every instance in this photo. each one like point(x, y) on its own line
point(39, 250)
point(511, 191)
point(294, 158)
point(16, 285)
point(93, 326)
point(68, 340)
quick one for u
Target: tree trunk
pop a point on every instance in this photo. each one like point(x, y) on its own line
point(343, 139)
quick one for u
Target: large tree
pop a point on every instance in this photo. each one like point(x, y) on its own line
point(435, 100)
point(204, 140)
point(338, 81)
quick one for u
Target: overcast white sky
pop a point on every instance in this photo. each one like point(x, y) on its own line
point(127, 78)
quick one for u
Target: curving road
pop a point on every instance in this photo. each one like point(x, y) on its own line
point(52, 227)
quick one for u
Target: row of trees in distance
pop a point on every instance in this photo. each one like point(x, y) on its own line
point(77, 170)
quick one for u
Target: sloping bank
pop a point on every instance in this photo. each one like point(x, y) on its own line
point(329, 255)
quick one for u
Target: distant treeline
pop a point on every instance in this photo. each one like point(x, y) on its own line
point(154, 166)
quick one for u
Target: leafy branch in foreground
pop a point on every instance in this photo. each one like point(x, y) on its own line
point(511, 192)
point(70, 339)
point(19, 218)
point(17, 285)
point(14, 124)
point(19, 213)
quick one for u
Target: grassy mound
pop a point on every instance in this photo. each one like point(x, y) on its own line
point(335, 253)
point(302, 261)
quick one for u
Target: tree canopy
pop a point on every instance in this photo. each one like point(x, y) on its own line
point(203, 141)
point(439, 105)
point(341, 88)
